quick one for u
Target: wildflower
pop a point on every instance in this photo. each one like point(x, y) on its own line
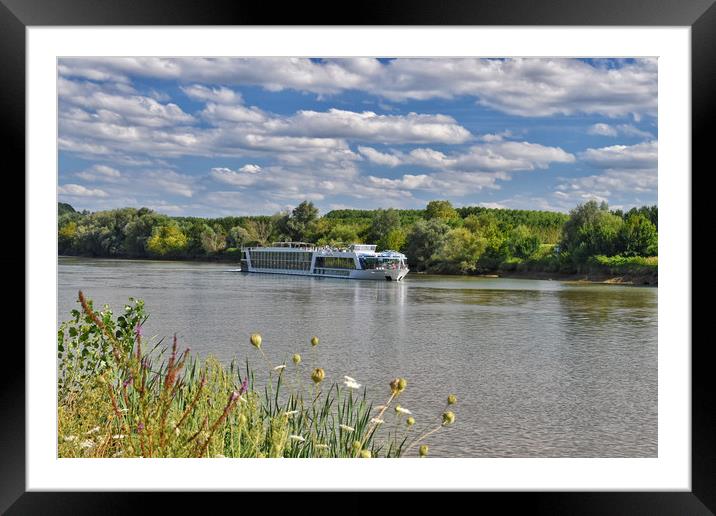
point(256, 340)
point(244, 386)
point(89, 443)
point(398, 385)
point(140, 427)
point(70, 438)
point(314, 341)
point(126, 382)
point(279, 367)
point(138, 330)
point(234, 396)
point(351, 384)
point(401, 410)
point(423, 450)
point(177, 432)
point(346, 428)
point(297, 438)
point(296, 359)
point(349, 379)
point(410, 421)
point(448, 418)
point(365, 454)
point(118, 454)
point(452, 399)
point(318, 375)
point(291, 413)
point(92, 431)
point(377, 421)
point(118, 436)
point(242, 419)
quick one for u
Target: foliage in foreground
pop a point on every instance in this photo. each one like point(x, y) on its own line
point(118, 397)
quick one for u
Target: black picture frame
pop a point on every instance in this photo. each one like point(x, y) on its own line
point(16, 15)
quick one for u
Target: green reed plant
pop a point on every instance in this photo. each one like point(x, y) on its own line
point(122, 396)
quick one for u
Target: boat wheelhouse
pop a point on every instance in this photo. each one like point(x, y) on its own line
point(354, 261)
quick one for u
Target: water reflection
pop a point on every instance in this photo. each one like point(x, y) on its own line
point(541, 368)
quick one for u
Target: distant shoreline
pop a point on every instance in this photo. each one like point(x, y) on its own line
point(586, 278)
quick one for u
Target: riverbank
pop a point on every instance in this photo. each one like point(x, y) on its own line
point(602, 278)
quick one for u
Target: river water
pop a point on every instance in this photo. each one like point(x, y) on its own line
point(540, 368)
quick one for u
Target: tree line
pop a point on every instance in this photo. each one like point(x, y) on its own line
point(439, 238)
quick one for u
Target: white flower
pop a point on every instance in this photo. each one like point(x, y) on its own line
point(89, 443)
point(347, 428)
point(118, 454)
point(291, 413)
point(349, 379)
point(70, 438)
point(279, 367)
point(297, 438)
point(376, 421)
point(352, 384)
point(402, 410)
point(92, 431)
point(118, 436)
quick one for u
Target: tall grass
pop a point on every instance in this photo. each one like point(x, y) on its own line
point(121, 396)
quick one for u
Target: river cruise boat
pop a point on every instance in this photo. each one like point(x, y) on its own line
point(354, 261)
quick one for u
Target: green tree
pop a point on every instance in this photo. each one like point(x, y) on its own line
point(213, 240)
point(167, 240)
point(395, 240)
point(443, 211)
point(460, 251)
point(383, 222)
point(239, 236)
point(521, 243)
point(591, 230)
point(423, 241)
point(298, 224)
point(638, 236)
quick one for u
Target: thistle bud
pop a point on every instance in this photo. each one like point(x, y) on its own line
point(398, 385)
point(448, 418)
point(452, 399)
point(365, 454)
point(410, 421)
point(423, 451)
point(296, 359)
point(314, 341)
point(318, 375)
point(256, 340)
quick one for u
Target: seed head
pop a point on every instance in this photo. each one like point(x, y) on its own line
point(296, 359)
point(452, 399)
point(365, 454)
point(256, 340)
point(242, 419)
point(356, 446)
point(410, 421)
point(314, 341)
point(398, 385)
point(448, 418)
point(318, 375)
point(423, 451)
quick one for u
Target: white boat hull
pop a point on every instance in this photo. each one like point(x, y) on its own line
point(370, 274)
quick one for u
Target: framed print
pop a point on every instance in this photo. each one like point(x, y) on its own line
point(501, 166)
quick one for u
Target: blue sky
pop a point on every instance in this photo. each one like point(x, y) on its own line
point(230, 136)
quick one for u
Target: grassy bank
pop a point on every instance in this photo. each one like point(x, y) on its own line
point(120, 395)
